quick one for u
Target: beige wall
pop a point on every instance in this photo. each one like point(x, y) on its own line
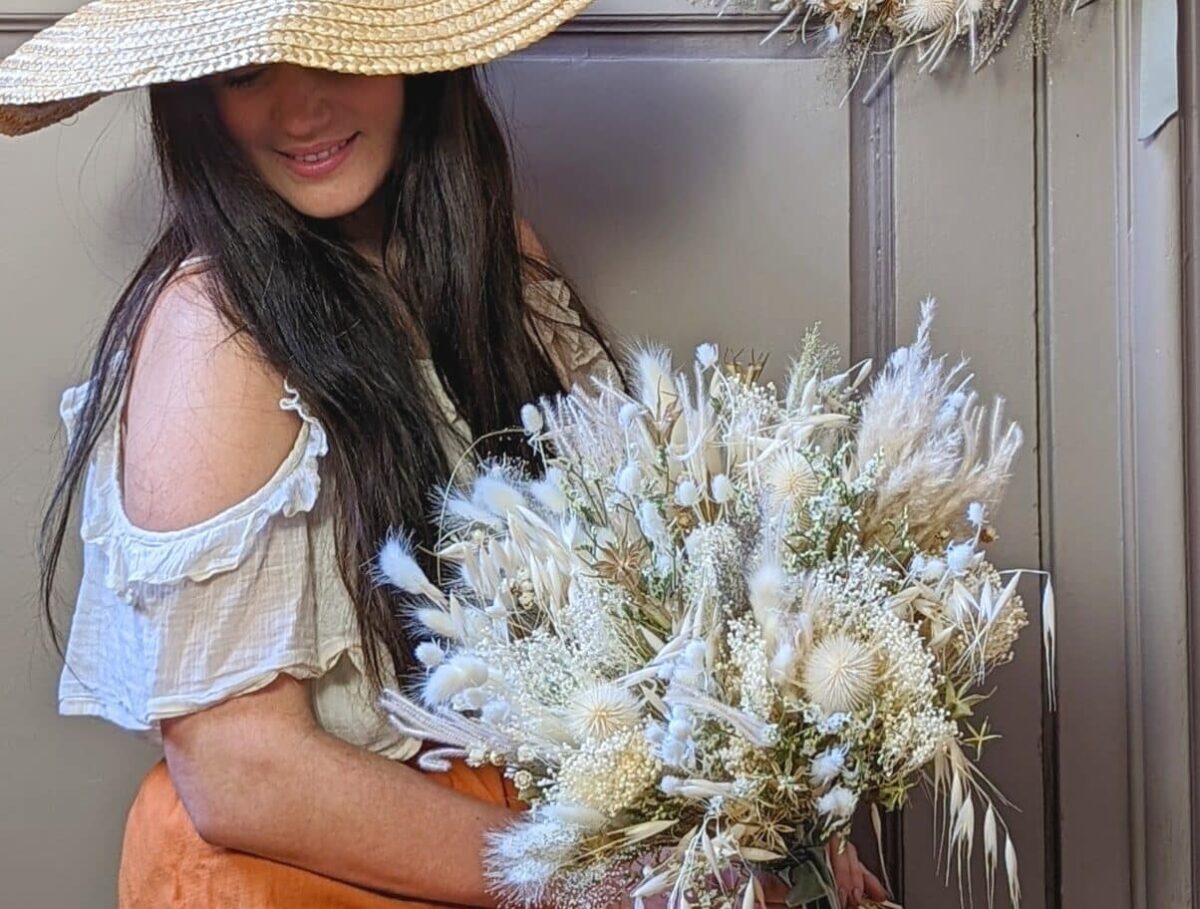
point(71, 226)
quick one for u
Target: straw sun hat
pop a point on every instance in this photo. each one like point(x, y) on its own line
point(113, 45)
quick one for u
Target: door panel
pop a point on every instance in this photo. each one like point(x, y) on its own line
point(965, 222)
point(702, 186)
point(686, 194)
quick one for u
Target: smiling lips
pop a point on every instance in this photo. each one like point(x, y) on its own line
point(325, 152)
point(318, 161)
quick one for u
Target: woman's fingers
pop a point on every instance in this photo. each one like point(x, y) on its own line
point(857, 882)
point(839, 866)
point(874, 889)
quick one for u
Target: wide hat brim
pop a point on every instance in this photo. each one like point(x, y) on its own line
point(109, 46)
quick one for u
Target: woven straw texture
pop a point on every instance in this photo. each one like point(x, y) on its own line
point(113, 45)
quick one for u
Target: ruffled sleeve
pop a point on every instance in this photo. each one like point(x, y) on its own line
point(170, 622)
point(575, 353)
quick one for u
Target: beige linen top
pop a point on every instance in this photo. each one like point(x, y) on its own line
point(170, 622)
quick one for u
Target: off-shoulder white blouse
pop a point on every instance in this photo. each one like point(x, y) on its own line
point(170, 622)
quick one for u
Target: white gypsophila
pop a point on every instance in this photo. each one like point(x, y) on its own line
point(913, 736)
point(832, 723)
point(712, 582)
point(608, 775)
point(537, 677)
point(747, 652)
point(592, 619)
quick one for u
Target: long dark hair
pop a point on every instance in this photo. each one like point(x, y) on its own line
point(318, 312)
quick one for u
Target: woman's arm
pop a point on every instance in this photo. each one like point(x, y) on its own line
point(257, 774)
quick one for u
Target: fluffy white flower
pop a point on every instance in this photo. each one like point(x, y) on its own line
point(839, 674)
point(706, 355)
point(430, 654)
point(655, 383)
point(474, 698)
point(839, 802)
point(398, 566)
point(550, 494)
point(959, 556)
point(629, 479)
point(722, 489)
point(651, 521)
point(680, 728)
point(628, 413)
point(976, 513)
point(791, 480)
point(576, 815)
point(673, 752)
point(767, 591)
point(931, 570)
point(441, 622)
point(531, 419)
point(495, 494)
point(687, 493)
point(443, 683)
point(602, 709)
point(827, 765)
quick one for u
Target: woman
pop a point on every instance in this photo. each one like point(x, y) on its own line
point(341, 298)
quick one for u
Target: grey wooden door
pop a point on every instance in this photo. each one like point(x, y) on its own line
point(700, 185)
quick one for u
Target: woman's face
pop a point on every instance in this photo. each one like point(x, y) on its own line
point(324, 141)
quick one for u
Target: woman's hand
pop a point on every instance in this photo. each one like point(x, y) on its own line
point(851, 878)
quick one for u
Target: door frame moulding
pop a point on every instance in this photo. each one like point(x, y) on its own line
point(20, 23)
point(1189, 190)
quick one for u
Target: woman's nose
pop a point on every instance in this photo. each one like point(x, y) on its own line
point(302, 107)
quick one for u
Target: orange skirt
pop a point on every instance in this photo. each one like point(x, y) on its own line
point(166, 865)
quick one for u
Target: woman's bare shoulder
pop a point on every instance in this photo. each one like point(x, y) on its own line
point(203, 426)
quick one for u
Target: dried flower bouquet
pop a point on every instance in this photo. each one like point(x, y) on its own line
point(722, 620)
